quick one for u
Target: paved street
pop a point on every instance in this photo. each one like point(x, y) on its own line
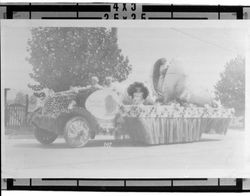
point(104, 157)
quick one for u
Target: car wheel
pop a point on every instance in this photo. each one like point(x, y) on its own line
point(77, 131)
point(44, 136)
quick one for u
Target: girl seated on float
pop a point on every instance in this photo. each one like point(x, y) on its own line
point(138, 95)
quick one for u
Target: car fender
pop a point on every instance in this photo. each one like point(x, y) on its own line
point(77, 111)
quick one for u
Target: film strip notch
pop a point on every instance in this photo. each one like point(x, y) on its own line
point(194, 12)
point(164, 185)
point(123, 11)
point(75, 11)
point(57, 11)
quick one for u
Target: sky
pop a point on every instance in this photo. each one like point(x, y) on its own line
point(201, 52)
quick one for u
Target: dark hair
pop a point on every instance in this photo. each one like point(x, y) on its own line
point(132, 89)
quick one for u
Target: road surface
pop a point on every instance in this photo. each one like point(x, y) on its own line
point(104, 157)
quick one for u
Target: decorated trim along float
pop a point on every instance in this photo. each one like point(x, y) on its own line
point(177, 114)
point(173, 123)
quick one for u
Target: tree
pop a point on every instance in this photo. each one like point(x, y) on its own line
point(65, 56)
point(20, 98)
point(230, 89)
point(32, 100)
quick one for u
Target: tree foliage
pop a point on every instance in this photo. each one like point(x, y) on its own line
point(32, 100)
point(230, 89)
point(20, 98)
point(67, 56)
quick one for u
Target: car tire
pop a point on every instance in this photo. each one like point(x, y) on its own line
point(77, 131)
point(44, 136)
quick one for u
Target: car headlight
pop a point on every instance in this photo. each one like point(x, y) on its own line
point(72, 104)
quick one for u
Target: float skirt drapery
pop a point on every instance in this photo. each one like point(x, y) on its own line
point(161, 130)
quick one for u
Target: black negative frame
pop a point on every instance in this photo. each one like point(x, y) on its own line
point(107, 8)
point(11, 9)
point(124, 188)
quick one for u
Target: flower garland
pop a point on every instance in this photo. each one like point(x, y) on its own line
point(175, 110)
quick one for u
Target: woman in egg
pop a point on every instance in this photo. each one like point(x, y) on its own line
point(138, 94)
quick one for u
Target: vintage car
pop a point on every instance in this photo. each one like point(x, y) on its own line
point(79, 116)
point(65, 114)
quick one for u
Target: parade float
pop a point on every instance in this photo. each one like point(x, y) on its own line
point(177, 116)
point(173, 123)
point(181, 115)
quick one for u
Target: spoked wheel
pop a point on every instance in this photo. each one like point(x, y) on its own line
point(44, 136)
point(77, 132)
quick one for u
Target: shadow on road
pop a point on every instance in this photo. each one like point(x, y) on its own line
point(91, 143)
point(104, 143)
